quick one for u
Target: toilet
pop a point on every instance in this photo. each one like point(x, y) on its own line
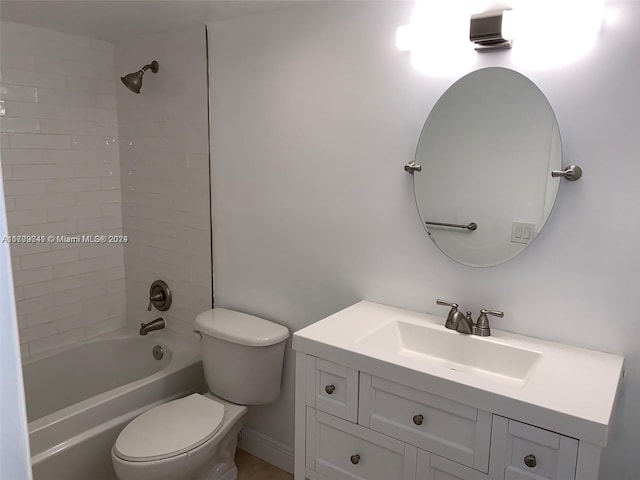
point(194, 438)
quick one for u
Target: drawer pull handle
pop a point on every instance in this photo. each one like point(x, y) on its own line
point(530, 461)
point(418, 419)
point(355, 459)
point(330, 389)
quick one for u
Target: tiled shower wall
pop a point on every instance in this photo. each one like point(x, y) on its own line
point(165, 174)
point(61, 176)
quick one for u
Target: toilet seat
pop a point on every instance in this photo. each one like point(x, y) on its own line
point(170, 429)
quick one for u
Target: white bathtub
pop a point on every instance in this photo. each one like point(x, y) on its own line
point(81, 397)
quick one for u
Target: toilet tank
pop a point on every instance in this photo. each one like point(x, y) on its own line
point(242, 356)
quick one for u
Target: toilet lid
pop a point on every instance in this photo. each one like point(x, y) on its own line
point(170, 429)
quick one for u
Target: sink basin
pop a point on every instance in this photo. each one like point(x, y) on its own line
point(452, 350)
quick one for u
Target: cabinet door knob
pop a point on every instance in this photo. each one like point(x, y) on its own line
point(330, 389)
point(355, 459)
point(418, 419)
point(530, 461)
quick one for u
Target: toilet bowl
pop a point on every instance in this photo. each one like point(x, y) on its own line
point(195, 437)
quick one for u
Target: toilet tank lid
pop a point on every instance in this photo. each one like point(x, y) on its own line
point(240, 328)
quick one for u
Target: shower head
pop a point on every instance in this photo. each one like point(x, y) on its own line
point(133, 81)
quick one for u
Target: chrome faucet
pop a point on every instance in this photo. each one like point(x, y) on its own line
point(457, 321)
point(157, 324)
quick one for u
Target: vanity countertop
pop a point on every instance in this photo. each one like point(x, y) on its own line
point(569, 390)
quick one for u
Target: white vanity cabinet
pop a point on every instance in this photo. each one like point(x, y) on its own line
point(387, 394)
point(359, 426)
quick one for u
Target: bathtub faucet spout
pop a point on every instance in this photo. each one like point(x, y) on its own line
point(157, 324)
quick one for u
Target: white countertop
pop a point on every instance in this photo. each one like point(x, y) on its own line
point(569, 390)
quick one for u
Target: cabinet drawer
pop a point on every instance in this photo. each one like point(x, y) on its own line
point(340, 450)
point(432, 467)
point(523, 452)
point(333, 388)
point(441, 426)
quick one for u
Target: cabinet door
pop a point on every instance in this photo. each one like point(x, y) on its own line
point(433, 467)
point(340, 450)
point(524, 452)
point(332, 388)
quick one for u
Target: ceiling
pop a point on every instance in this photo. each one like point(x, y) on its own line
point(111, 20)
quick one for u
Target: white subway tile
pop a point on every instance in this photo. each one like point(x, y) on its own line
point(48, 258)
point(7, 170)
point(44, 201)
point(21, 156)
point(56, 341)
point(111, 209)
point(91, 114)
point(33, 275)
point(18, 291)
point(66, 227)
point(19, 249)
point(100, 224)
point(18, 124)
point(80, 320)
point(68, 127)
point(63, 283)
point(15, 59)
point(39, 140)
point(53, 314)
point(79, 266)
point(106, 326)
point(31, 305)
point(24, 350)
point(105, 100)
point(18, 187)
point(26, 217)
point(33, 172)
point(9, 203)
point(110, 183)
point(14, 76)
point(72, 213)
point(99, 197)
point(96, 171)
point(35, 110)
point(107, 129)
point(77, 295)
point(93, 142)
point(34, 333)
point(18, 93)
point(72, 184)
point(4, 140)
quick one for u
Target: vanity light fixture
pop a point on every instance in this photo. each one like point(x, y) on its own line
point(486, 31)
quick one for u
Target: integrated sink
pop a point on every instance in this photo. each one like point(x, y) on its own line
point(452, 350)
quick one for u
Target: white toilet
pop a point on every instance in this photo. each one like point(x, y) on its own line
point(194, 438)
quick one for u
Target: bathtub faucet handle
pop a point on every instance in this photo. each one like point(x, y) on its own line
point(158, 297)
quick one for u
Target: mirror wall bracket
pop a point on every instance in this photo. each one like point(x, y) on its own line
point(571, 173)
point(486, 31)
point(412, 167)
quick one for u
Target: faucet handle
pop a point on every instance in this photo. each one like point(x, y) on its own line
point(481, 327)
point(453, 317)
point(448, 304)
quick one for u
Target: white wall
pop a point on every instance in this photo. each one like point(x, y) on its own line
point(314, 113)
point(61, 177)
point(164, 155)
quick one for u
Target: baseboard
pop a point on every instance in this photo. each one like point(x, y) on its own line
point(266, 448)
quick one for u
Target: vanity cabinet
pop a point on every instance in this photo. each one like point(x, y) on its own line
point(359, 426)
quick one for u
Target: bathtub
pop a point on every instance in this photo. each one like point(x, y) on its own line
point(80, 398)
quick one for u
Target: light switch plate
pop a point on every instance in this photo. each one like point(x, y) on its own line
point(522, 232)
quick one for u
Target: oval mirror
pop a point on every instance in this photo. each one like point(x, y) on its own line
point(487, 151)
